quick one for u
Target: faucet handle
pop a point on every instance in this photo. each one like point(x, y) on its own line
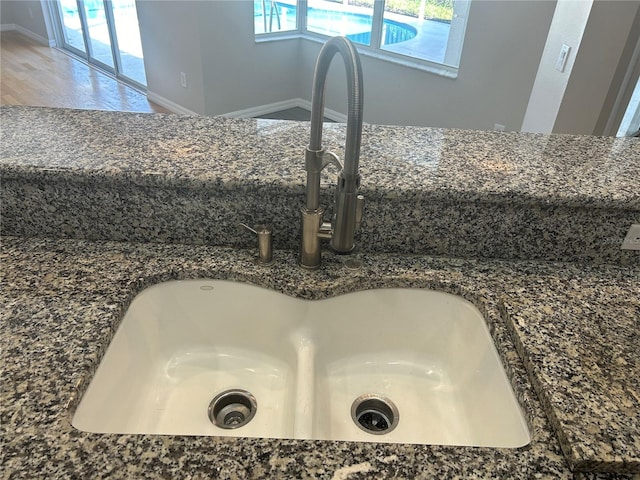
point(331, 158)
point(359, 210)
point(265, 244)
point(316, 160)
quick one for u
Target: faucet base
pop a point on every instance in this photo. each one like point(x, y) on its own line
point(311, 221)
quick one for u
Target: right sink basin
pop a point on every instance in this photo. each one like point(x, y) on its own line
point(213, 357)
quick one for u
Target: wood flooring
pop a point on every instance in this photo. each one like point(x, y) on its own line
point(34, 74)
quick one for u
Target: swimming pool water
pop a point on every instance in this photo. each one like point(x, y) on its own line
point(355, 26)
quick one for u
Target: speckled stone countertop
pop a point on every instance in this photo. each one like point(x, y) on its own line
point(568, 333)
point(575, 327)
point(187, 150)
point(180, 179)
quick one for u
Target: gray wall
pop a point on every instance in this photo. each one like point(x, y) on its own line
point(28, 15)
point(240, 73)
point(213, 40)
point(583, 98)
point(213, 43)
point(567, 27)
point(596, 65)
point(170, 37)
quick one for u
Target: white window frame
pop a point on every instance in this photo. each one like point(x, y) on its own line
point(454, 42)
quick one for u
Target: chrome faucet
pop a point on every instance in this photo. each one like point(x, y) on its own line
point(348, 205)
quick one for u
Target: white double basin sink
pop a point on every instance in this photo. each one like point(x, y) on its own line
point(425, 355)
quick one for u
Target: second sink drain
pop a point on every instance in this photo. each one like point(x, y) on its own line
point(232, 409)
point(374, 414)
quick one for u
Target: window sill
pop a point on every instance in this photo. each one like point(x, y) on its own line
point(409, 62)
point(273, 37)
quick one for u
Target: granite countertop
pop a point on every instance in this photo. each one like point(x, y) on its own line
point(483, 215)
point(443, 192)
point(576, 328)
point(181, 150)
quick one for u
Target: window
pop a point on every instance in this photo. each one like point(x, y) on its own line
point(630, 124)
point(270, 16)
point(422, 31)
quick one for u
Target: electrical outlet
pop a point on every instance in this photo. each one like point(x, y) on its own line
point(183, 80)
point(632, 240)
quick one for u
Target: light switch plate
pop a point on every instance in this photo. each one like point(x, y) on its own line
point(561, 62)
point(632, 240)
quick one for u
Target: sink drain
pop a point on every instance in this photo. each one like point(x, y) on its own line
point(232, 409)
point(374, 414)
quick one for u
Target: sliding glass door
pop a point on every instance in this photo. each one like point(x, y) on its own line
point(127, 34)
point(72, 38)
point(105, 33)
point(97, 33)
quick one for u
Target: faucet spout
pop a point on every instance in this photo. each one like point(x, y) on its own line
point(348, 203)
point(355, 105)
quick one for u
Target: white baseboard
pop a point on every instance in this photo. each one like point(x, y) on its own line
point(263, 109)
point(168, 104)
point(283, 105)
point(331, 114)
point(7, 27)
point(249, 112)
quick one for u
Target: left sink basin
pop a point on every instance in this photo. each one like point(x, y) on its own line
point(307, 364)
point(179, 345)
